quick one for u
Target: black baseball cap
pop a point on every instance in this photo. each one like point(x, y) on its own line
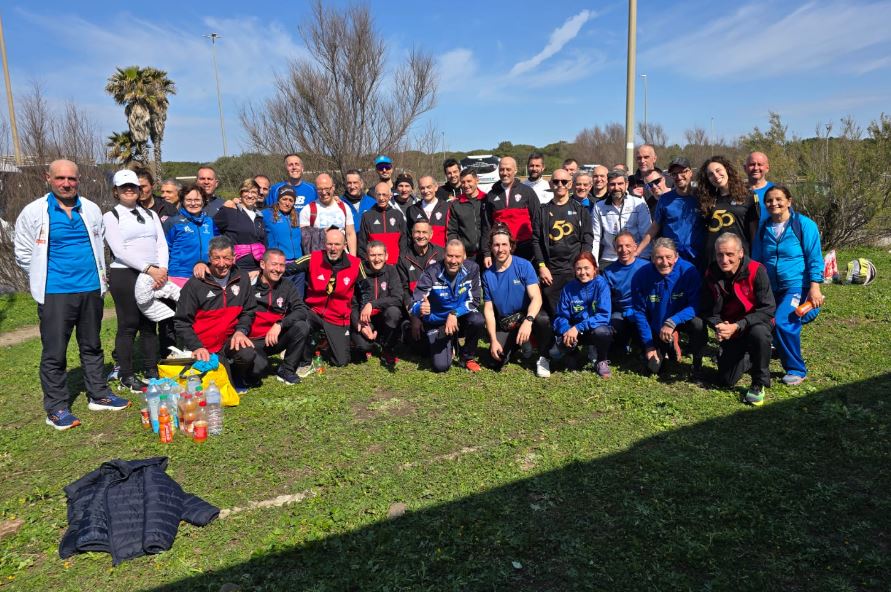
point(679, 162)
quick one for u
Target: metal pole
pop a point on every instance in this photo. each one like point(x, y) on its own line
point(213, 44)
point(646, 92)
point(12, 127)
point(629, 90)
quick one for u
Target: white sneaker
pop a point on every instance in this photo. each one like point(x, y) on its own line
point(543, 367)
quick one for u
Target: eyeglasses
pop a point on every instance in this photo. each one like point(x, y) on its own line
point(655, 182)
point(561, 181)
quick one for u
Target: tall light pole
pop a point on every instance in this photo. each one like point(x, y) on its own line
point(646, 91)
point(629, 84)
point(213, 45)
point(12, 126)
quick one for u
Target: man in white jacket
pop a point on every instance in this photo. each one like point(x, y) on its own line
point(59, 244)
point(617, 212)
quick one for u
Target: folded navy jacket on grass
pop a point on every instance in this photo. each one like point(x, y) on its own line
point(129, 509)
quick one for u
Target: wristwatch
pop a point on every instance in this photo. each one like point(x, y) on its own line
point(530, 318)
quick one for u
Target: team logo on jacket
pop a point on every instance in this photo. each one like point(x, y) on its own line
point(383, 285)
point(411, 267)
point(320, 277)
point(258, 295)
point(210, 294)
point(377, 222)
point(235, 290)
point(346, 281)
point(188, 229)
point(279, 302)
point(439, 215)
point(392, 221)
point(517, 197)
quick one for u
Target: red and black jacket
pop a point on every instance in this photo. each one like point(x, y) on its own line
point(745, 299)
point(465, 221)
point(439, 220)
point(382, 288)
point(388, 226)
point(516, 207)
point(281, 304)
point(410, 267)
point(207, 315)
point(329, 284)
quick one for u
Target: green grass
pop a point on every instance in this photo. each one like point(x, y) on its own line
point(19, 310)
point(510, 482)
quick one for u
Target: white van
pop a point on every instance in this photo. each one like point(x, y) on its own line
point(486, 166)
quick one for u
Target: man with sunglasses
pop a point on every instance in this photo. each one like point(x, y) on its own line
point(59, 245)
point(561, 229)
point(677, 215)
point(383, 164)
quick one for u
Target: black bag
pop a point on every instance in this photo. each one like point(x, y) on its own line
point(511, 322)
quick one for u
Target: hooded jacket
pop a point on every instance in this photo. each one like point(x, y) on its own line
point(791, 263)
point(583, 306)
point(187, 238)
point(664, 300)
point(281, 235)
point(465, 221)
point(129, 509)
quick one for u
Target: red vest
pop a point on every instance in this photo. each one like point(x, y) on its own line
point(334, 305)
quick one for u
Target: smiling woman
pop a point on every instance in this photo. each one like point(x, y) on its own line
point(725, 204)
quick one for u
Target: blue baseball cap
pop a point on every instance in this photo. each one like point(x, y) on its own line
point(383, 159)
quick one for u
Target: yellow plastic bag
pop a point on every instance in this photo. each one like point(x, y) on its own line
point(180, 370)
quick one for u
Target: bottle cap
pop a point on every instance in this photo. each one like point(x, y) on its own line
point(202, 403)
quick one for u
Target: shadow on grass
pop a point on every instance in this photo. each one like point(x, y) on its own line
point(793, 496)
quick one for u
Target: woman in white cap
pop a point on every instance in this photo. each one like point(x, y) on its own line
point(136, 239)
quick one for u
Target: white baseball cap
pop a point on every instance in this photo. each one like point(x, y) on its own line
point(125, 177)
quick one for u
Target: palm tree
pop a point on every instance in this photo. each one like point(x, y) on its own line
point(122, 149)
point(143, 93)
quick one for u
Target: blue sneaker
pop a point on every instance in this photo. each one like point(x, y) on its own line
point(62, 420)
point(109, 402)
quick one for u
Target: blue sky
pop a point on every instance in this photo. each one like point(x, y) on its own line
point(527, 72)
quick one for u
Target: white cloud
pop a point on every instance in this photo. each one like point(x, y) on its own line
point(760, 41)
point(457, 67)
point(559, 38)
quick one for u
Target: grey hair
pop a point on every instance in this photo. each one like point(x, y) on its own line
point(665, 243)
point(174, 182)
point(220, 243)
point(729, 237)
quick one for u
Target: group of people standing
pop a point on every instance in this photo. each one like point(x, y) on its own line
point(598, 260)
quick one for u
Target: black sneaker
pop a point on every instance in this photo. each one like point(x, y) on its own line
point(134, 384)
point(286, 376)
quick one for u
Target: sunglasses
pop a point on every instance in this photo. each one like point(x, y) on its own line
point(139, 217)
point(384, 167)
point(655, 182)
point(561, 181)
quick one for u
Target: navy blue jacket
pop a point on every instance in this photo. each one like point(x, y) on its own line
point(129, 509)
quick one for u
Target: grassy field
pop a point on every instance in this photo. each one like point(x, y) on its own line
point(20, 310)
point(506, 481)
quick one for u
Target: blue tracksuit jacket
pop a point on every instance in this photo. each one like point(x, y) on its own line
point(664, 300)
point(583, 306)
point(187, 239)
point(619, 278)
point(281, 235)
point(463, 295)
point(791, 264)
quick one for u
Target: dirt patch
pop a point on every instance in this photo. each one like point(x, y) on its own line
point(23, 334)
point(528, 461)
point(396, 510)
point(276, 502)
point(383, 402)
point(375, 449)
point(10, 527)
point(441, 457)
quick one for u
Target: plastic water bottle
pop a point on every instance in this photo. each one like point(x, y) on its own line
point(199, 433)
point(192, 384)
point(165, 431)
point(214, 410)
point(153, 401)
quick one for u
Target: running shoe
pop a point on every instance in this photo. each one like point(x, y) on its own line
point(543, 367)
point(287, 377)
point(134, 384)
point(304, 370)
point(755, 396)
point(472, 365)
point(792, 380)
point(602, 368)
point(109, 402)
point(62, 420)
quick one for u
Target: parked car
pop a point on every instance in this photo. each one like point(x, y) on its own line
point(486, 166)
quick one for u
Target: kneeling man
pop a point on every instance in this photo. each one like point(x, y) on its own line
point(738, 304)
point(377, 306)
point(447, 299)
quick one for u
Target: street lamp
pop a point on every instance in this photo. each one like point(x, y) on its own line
point(213, 44)
point(629, 84)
